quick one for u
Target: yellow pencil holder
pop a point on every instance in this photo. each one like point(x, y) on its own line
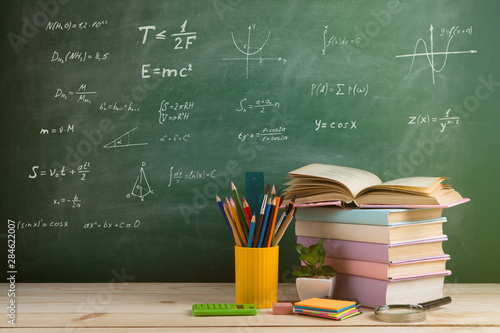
point(256, 275)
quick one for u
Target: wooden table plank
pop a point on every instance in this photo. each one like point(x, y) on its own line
point(129, 306)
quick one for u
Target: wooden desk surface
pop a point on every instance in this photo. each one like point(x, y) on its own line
point(166, 307)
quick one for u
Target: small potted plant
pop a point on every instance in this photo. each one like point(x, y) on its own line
point(313, 278)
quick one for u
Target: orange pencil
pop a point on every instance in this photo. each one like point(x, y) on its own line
point(234, 215)
point(234, 211)
point(273, 221)
point(237, 237)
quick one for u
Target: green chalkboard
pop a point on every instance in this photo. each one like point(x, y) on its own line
point(122, 120)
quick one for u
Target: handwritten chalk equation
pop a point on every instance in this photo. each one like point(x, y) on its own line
point(253, 53)
point(430, 54)
point(58, 130)
point(426, 119)
point(64, 224)
point(266, 135)
point(73, 202)
point(79, 95)
point(169, 137)
point(41, 223)
point(169, 72)
point(69, 25)
point(173, 111)
point(116, 106)
point(82, 170)
point(183, 39)
point(260, 105)
point(339, 89)
point(456, 30)
point(177, 175)
point(173, 117)
point(322, 124)
point(96, 225)
point(78, 56)
point(330, 40)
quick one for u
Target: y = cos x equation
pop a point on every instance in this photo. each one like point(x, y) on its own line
point(430, 54)
point(249, 53)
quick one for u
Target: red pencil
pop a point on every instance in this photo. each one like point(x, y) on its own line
point(246, 209)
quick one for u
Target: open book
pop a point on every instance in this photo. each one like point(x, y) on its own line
point(354, 187)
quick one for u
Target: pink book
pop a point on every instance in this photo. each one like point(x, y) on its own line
point(384, 253)
point(401, 270)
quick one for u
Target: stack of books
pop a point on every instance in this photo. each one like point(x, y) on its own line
point(384, 239)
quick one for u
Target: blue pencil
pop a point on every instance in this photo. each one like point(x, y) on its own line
point(250, 233)
point(264, 223)
point(221, 207)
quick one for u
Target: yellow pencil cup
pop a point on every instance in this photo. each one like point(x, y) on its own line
point(256, 275)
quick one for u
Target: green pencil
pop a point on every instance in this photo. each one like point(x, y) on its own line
point(239, 209)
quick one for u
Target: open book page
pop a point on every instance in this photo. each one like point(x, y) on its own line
point(353, 179)
point(420, 185)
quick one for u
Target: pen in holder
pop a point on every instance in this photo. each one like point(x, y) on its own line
point(256, 275)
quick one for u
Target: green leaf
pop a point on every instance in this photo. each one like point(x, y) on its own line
point(313, 257)
point(299, 248)
point(321, 257)
point(327, 270)
point(301, 271)
point(309, 258)
point(318, 247)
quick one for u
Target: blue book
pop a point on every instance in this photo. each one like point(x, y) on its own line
point(373, 216)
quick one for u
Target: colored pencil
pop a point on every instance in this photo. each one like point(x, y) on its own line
point(261, 217)
point(234, 215)
point(251, 232)
point(246, 209)
point(273, 224)
point(285, 224)
point(236, 235)
point(288, 209)
point(221, 207)
point(264, 222)
point(264, 231)
point(239, 210)
point(241, 223)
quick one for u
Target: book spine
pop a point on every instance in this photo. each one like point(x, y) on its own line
point(350, 249)
point(357, 216)
point(376, 270)
point(343, 231)
point(373, 251)
point(372, 292)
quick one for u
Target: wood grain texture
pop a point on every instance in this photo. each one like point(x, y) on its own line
point(155, 307)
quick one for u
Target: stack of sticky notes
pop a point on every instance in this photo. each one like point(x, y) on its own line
point(327, 308)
